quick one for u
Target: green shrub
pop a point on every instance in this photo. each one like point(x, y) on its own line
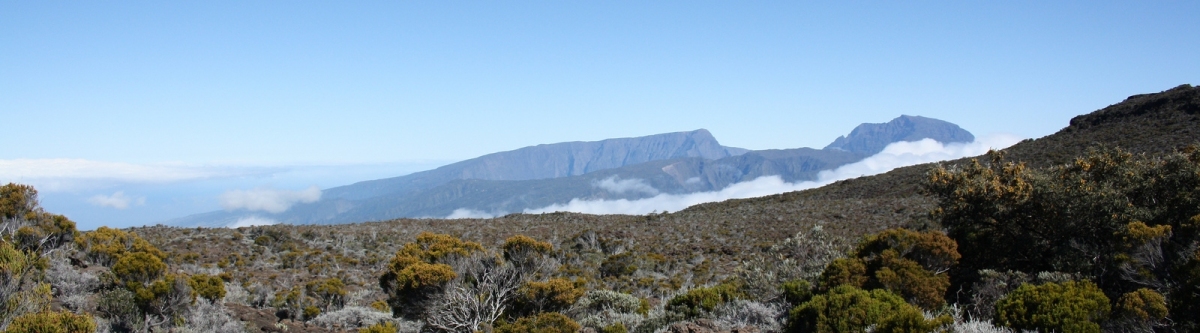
point(615, 328)
point(618, 265)
point(554, 295)
point(849, 309)
point(844, 271)
point(107, 245)
point(546, 322)
point(119, 306)
point(1070, 307)
point(699, 301)
point(140, 267)
point(384, 327)
point(208, 286)
point(797, 292)
point(905, 262)
point(52, 322)
point(415, 274)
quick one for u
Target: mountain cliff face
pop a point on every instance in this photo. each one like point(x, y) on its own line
point(870, 139)
point(548, 161)
point(539, 176)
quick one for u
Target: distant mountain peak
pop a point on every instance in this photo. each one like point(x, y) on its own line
point(870, 139)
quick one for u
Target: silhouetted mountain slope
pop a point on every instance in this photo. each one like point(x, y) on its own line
point(870, 139)
point(675, 163)
point(548, 161)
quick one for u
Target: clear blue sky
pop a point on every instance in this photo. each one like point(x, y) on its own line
point(273, 83)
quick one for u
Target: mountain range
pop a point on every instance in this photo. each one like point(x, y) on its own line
point(624, 168)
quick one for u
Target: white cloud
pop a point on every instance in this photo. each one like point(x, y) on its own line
point(463, 213)
point(896, 155)
point(117, 200)
point(251, 221)
point(63, 174)
point(268, 200)
point(611, 184)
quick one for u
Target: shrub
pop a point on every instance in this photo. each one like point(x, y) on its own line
point(796, 292)
point(120, 307)
point(600, 309)
point(618, 265)
point(384, 327)
point(352, 316)
point(416, 273)
point(52, 322)
point(546, 322)
point(208, 286)
point(844, 271)
point(107, 245)
point(909, 263)
point(699, 301)
point(1067, 307)
point(211, 317)
point(1140, 310)
point(849, 309)
point(518, 248)
point(552, 295)
point(331, 292)
point(140, 267)
point(411, 288)
point(743, 313)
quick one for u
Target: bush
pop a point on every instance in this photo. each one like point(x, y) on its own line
point(52, 322)
point(554, 295)
point(849, 309)
point(211, 317)
point(119, 306)
point(1140, 311)
point(384, 327)
point(331, 292)
point(208, 286)
point(417, 272)
point(107, 245)
point(546, 322)
point(351, 316)
point(1067, 307)
point(796, 292)
point(600, 309)
point(843, 271)
point(139, 267)
point(699, 301)
point(743, 313)
point(521, 248)
point(909, 263)
point(618, 265)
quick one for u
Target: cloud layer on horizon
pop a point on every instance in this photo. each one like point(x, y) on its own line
point(268, 200)
point(251, 221)
point(620, 186)
point(895, 155)
point(117, 200)
point(63, 174)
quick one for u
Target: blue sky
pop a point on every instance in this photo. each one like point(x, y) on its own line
point(295, 94)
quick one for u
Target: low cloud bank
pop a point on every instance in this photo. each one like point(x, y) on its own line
point(251, 221)
point(615, 186)
point(117, 200)
point(62, 174)
point(268, 200)
point(899, 154)
point(463, 213)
